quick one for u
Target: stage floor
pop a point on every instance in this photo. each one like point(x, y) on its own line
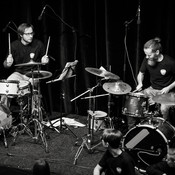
point(62, 148)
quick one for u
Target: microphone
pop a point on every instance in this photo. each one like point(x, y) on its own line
point(138, 15)
point(5, 28)
point(40, 16)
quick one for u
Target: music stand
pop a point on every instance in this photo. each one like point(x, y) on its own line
point(67, 72)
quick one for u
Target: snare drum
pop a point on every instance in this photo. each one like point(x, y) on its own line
point(24, 88)
point(136, 105)
point(9, 87)
point(97, 119)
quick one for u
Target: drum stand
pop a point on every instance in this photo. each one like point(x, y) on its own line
point(38, 115)
point(36, 119)
point(89, 138)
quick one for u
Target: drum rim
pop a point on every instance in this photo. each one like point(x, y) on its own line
point(9, 81)
point(137, 94)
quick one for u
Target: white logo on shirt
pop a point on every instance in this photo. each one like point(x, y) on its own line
point(163, 71)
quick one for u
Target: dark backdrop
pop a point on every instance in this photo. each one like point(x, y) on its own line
point(92, 32)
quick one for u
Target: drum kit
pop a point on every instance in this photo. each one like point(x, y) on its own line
point(148, 141)
point(20, 90)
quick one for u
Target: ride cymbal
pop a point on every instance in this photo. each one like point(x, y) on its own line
point(118, 88)
point(102, 73)
point(39, 74)
point(167, 99)
point(30, 63)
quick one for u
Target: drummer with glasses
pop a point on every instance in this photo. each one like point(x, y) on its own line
point(161, 69)
point(23, 50)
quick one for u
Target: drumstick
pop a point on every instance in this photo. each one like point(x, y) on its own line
point(47, 45)
point(9, 43)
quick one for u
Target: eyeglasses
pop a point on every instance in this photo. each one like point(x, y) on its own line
point(32, 33)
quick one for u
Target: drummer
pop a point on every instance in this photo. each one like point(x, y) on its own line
point(161, 69)
point(23, 50)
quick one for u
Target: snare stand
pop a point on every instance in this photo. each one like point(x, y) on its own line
point(88, 139)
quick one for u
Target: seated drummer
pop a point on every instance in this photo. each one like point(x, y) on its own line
point(161, 69)
point(23, 50)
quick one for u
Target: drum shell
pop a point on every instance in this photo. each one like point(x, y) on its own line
point(24, 88)
point(9, 87)
point(135, 105)
point(97, 120)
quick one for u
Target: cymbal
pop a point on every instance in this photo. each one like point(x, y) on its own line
point(39, 74)
point(30, 63)
point(102, 73)
point(119, 87)
point(167, 99)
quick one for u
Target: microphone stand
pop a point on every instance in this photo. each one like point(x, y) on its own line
point(138, 39)
point(88, 139)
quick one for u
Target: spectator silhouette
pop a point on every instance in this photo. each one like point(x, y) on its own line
point(41, 167)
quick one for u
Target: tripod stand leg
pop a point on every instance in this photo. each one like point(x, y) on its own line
point(5, 140)
point(80, 149)
point(39, 132)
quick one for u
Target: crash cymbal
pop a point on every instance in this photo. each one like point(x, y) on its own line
point(118, 88)
point(102, 73)
point(39, 74)
point(167, 99)
point(30, 63)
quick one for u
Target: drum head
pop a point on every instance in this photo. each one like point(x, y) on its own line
point(146, 145)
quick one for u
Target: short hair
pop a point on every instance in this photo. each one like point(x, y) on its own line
point(22, 27)
point(154, 44)
point(112, 137)
point(41, 167)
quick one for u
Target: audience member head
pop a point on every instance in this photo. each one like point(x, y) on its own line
point(41, 167)
point(112, 138)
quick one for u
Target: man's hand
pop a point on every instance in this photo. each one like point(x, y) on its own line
point(9, 60)
point(45, 59)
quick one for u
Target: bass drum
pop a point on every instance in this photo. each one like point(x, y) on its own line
point(148, 142)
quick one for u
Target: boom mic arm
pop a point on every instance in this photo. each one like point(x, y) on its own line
point(40, 16)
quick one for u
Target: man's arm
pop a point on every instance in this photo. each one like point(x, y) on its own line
point(140, 78)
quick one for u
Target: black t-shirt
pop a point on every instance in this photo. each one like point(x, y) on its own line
point(160, 168)
point(161, 75)
point(21, 54)
point(120, 165)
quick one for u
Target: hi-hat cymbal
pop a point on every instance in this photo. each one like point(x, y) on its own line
point(167, 99)
point(39, 74)
point(102, 73)
point(30, 63)
point(118, 88)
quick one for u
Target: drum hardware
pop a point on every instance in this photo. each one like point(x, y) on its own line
point(88, 139)
point(36, 116)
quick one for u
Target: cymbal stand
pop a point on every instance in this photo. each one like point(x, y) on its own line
point(38, 114)
point(88, 139)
